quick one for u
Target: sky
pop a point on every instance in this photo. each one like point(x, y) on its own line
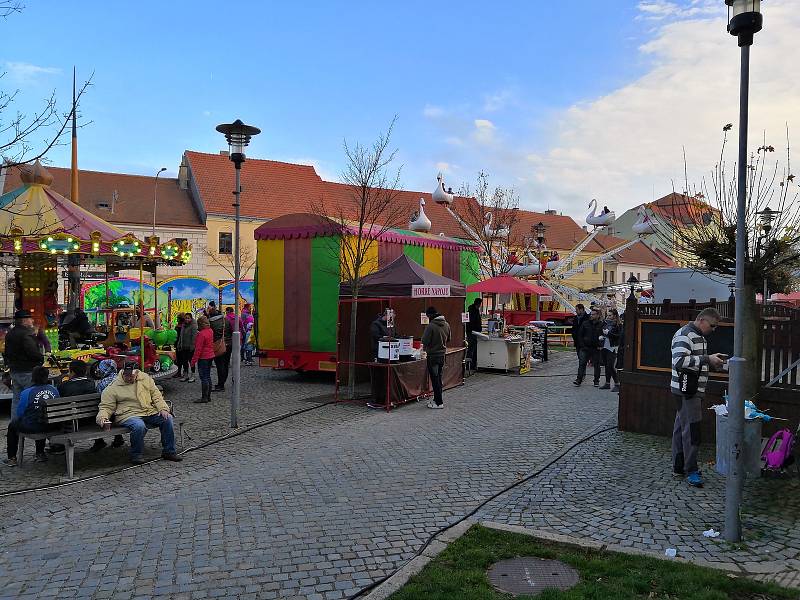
point(563, 101)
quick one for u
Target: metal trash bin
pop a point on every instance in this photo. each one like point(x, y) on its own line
point(751, 457)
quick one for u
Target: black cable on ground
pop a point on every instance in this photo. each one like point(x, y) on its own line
point(371, 587)
point(205, 444)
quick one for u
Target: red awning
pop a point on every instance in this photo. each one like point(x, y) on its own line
point(506, 284)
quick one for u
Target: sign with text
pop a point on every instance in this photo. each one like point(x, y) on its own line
point(430, 291)
point(465, 317)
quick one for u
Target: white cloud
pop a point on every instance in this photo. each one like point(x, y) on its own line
point(498, 100)
point(23, 73)
point(484, 132)
point(433, 112)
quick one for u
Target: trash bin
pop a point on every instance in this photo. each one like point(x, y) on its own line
point(751, 454)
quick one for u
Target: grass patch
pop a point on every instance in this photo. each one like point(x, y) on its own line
point(459, 573)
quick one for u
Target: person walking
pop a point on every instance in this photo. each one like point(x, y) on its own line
point(690, 365)
point(589, 342)
point(577, 320)
point(475, 324)
point(434, 340)
point(203, 357)
point(185, 346)
point(612, 333)
point(222, 335)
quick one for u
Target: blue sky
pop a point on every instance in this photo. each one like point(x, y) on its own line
point(475, 85)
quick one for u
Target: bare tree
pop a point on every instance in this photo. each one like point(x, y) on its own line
point(491, 218)
point(226, 261)
point(369, 210)
point(8, 7)
point(701, 228)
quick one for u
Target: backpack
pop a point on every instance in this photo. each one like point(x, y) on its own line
point(777, 453)
point(34, 417)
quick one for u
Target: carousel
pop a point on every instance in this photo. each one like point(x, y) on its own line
point(42, 235)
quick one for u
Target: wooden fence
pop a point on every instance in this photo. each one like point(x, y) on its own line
point(646, 404)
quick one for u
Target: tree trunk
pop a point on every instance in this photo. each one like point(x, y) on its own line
point(752, 335)
point(351, 354)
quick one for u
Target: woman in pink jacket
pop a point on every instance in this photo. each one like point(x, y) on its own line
point(204, 356)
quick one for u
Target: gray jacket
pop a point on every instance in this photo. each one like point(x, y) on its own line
point(436, 336)
point(187, 337)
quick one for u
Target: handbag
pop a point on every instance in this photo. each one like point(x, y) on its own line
point(219, 347)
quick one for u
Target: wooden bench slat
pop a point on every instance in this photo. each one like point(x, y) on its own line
point(68, 399)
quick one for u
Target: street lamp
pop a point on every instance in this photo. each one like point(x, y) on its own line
point(744, 20)
point(238, 137)
point(766, 218)
point(539, 230)
point(155, 197)
point(632, 281)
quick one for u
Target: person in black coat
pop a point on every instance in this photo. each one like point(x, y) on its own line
point(377, 330)
point(577, 320)
point(475, 324)
point(589, 344)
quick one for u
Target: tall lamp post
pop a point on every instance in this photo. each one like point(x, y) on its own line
point(539, 231)
point(766, 217)
point(633, 282)
point(156, 320)
point(238, 136)
point(744, 20)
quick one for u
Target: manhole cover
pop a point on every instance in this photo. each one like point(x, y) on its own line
point(531, 576)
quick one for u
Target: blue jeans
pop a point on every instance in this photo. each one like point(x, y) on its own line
point(204, 370)
point(138, 427)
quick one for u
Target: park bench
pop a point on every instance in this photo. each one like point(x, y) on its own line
point(67, 411)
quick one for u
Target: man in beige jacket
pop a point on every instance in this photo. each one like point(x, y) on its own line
point(137, 404)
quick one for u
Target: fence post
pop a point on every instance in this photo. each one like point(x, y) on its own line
point(631, 315)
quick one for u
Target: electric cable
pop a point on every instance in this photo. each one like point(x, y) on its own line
point(555, 458)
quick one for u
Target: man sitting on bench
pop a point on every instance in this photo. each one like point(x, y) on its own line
point(29, 417)
point(138, 405)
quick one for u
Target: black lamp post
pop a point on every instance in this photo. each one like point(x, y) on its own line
point(539, 230)
point(744, 20)
point(238, 136)
point(766, 218)
point(633, 282)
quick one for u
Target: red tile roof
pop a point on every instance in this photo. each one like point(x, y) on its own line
point(680, 209)
point(269, 188)
point(638, 254)
point(134, 204)
point(273, 189)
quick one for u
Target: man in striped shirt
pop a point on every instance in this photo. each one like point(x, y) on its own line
point(690, 356)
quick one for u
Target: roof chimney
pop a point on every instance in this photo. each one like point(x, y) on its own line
point(550, 211)
point(183, 175)
point(223, 153)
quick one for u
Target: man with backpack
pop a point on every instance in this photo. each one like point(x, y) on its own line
point(30, 415)
point(690, 365)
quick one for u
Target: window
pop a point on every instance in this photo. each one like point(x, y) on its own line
point(613, 274)
point(605, 277)
point(595, 268)
point(623, 276)
point(225, 242)
point(103, 206)
point(639, 276)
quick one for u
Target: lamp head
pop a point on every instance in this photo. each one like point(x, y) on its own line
point(238, 137)
point(744, 19)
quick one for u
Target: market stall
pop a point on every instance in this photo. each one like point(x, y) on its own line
point(43, 234)
point(407, 289)
point(504, 347)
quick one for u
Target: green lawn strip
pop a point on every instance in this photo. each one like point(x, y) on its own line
point(459, 573)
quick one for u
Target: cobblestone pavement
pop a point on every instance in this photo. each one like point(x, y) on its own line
point(265, 393)
point(617, 489)
point(315, 507)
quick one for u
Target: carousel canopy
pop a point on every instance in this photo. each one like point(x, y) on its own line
point(398, 278)
point(35, 219)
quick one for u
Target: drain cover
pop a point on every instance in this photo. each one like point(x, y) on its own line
point(531, 576)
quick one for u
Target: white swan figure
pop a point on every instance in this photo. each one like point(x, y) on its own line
point(501, 231)
point(419, 220)
point(644, 225)
point(606, 217)
point(440, 194)
point(533, 268)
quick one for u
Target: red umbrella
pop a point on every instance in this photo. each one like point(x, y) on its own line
point(506, 284)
